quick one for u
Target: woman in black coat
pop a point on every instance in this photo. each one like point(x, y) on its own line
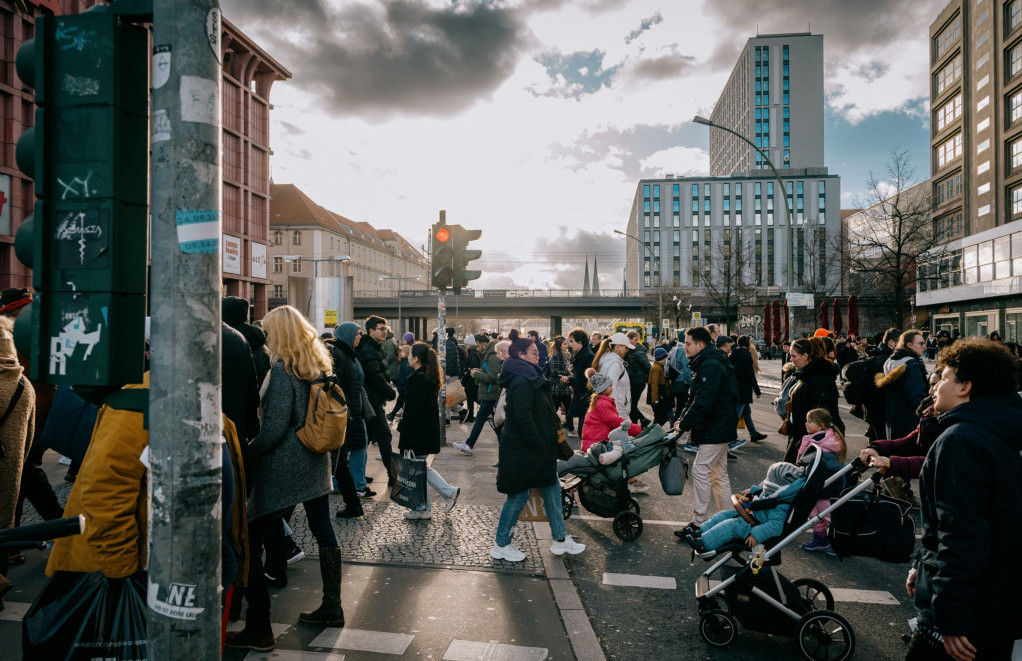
point(528, 450)
point(420, 423)
point(815, 387)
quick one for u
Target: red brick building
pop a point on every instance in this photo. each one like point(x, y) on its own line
point(248, 74)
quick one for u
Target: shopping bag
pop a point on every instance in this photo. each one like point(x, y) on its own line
point(455, 393)
point(741, 422)
point(673, 470)
point(534, 509)
point(81, 617)
point(500, 410)
point(873, 525)
point(410, 488)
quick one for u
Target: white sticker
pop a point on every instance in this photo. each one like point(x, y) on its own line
point(211, 425)
point(199, 100)
point(178, 601)
point(213, 33)
point(161, 126)
point(161, 66)
point(198, 231)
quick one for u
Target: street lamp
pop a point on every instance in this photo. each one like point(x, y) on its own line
point(659, 276)
point(400, 279)
point(784, 198)
point(315, 262)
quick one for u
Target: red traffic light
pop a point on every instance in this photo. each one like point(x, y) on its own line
point(442, 235)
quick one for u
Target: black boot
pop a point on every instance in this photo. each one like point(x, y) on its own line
point(329, 612)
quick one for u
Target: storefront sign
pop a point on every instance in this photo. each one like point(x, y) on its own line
point(232, 254)
point(258, 267)
point(945, 309)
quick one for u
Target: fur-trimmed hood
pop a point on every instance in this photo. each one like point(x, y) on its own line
point(895, 369)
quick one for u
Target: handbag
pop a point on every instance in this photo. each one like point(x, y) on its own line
point(873, 525)
point(499, 411)
point(673, 470)
point(564, 451)
point(409, 489)
point(368, 411)
point(455, 393)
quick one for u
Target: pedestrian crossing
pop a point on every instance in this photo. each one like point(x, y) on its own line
point(395, 644)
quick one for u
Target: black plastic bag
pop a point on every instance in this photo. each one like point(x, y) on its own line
point(81, 617)
point(673, 470)
point(873, 525)
point(410, 488)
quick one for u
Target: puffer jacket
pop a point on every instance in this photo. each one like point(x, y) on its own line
point(377, 371)
point(711, 413)
point(234, 311)
point(904, 386)
point(349, 377)
point(613, 366)
point(970, 488)
point(420, 422)
point(815, 387)
point(602, 419)
point(488, 375)
point(638, 365)
point(527, 447)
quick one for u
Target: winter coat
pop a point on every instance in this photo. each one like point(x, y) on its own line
point(602, 419)
point(638, 365)
point(527, 447)
point(452, 360)
point(402, 375)
point(580, 362)
point(16, 432)
point(815, 387)
point(710, 413)
point(349, 377)
point(904, 385)
point(745, 375)
point(284, 472)
point(969, 490)
point(771, 519)
point(234, 312)
point(377, 371)
point(558, 365)
point(240, 390)
point(472, 360)
point(658, 386)
point(392, 355)
point(825, 440)
point(613, 366)
point(420, 422)
point(874, 403)
point(488, 374)
point(907, 453)
point(544, 353)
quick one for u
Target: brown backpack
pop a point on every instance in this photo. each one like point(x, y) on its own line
point(326, 418)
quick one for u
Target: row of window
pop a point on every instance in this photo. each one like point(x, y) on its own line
point(990, 260)
point(947, 37)
point(948, 189)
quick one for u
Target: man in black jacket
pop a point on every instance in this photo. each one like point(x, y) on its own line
point(964, 580)
point(581, 360)
point(746, 383)
point(350, 460)
point(378, 387)
point(711, 417)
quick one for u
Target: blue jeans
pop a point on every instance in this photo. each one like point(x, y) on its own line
point(745, 411)
point(516, 502)
point(485, 410)
point(357, 467)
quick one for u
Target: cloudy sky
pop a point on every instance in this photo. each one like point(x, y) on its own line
point(533, 119)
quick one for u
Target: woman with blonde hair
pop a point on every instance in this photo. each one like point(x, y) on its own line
point(284, 474)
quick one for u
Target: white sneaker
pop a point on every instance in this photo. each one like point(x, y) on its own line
point(453, 500)
point(637, 487)
point(567, 545)
point(509, 553)
point(463, 448)
point(418, 514)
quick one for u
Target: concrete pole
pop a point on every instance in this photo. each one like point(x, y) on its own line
point(185, 423)
point(441, 352)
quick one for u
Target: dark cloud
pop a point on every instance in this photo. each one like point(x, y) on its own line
point(566, 253)
point(646, 24)
point(664, 67)
point(575, 75)
point(872, 71)
point(289, 129)
point(399, 56)
point(629, 146)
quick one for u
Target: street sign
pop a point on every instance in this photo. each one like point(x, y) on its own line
point(800, 300)
point(697, 319)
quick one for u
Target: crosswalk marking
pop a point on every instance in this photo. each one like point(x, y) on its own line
point(468, 650)
point(864, 596)
point(293, 655)
point(648, 522)
point(14, 611)
point(278, 628)
point(639, 581)
point(381, 642)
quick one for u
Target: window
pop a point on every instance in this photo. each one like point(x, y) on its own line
point(1014, 61)
point(949, 150)
point(949, 112)
point(278, 291)
point(951, 72)
point(947, 37)
point(277, 238)
point(296, 266)
point(278, 265)
point(950, 188)
point(1012, 15)
point(1016, 200)
point(296, 239)
point(1015, 107)
point(656, 190)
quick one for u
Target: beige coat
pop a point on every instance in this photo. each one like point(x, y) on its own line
point(16, 432)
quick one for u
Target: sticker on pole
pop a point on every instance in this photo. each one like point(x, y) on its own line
point(161, 66)
point(177, 601)
point(198, 232)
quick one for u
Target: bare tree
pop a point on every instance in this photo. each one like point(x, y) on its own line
point(730, 283)
point(887, 238)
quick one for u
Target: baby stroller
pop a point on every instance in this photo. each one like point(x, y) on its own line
point(603, 490)
point(749, 589)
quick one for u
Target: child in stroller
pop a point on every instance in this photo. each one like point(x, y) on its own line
point(759, 512)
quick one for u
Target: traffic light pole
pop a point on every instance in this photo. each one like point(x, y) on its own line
point(185, 409)
point(441, 353)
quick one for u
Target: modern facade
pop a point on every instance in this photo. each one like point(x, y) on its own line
point(972, 284)
point(248, 74)
point(693, 229)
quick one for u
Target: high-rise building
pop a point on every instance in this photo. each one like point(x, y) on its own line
point(972, 283)
point(737, 228)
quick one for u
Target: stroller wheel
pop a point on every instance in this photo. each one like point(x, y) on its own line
point(634, 505)
point(717, 628)
point(627, 525)
point(815, 594)
point(823, 635)
point(567, 504)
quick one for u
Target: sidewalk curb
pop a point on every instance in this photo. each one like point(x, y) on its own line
point(577, 626)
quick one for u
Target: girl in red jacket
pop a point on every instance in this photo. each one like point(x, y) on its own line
point(602, 417)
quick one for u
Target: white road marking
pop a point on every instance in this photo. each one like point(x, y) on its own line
point(277, 628)
point(639, 581)
point(864, 596)
point(292, 655)
point(468, 650)
point(14, 610)
point(648, 522)
point(381, 642)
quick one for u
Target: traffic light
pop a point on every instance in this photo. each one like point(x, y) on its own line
point(462, 256)
point(87, 239)
point(443, 256)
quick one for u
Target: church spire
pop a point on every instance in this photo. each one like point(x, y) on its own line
point(585, 282)
point(595, 290)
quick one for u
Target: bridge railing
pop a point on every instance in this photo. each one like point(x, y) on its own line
point(498, 293)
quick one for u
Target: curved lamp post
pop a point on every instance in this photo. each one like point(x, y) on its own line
point(659, 276)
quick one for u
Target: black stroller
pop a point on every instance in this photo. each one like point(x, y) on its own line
point(603, 490)
point(750, 590)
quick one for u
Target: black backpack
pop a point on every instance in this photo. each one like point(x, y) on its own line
point(858, 380)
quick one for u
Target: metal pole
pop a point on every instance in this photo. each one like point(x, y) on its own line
point(441, 352)
point(400, 330)
point(185, 411)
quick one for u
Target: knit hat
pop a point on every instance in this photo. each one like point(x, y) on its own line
point(599, 382)
point(660, 353)
point(408, 337)
point(821, 332)
point(778, 476)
